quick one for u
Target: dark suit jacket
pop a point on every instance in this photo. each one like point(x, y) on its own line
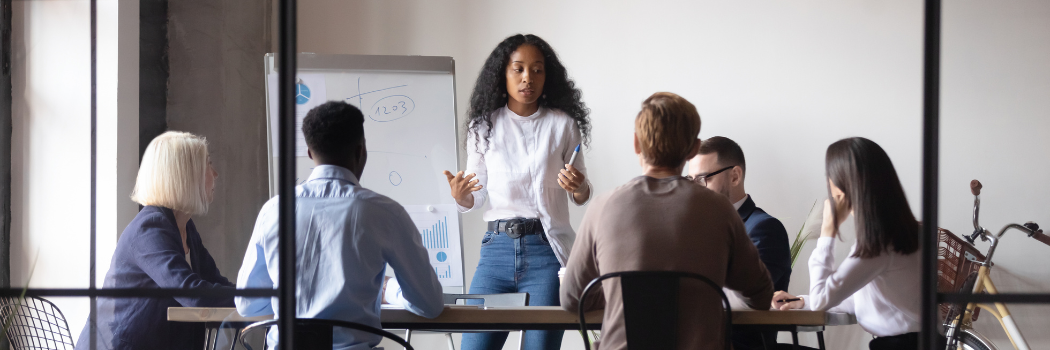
point(771, 239)
point(149, 254)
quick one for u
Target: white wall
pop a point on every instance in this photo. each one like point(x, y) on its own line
point(51, 141)
point(995, 122)
point(784, 79)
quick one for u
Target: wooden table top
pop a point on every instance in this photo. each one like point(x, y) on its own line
point(528, 317)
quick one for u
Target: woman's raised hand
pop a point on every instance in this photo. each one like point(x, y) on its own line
point(830, 226)
point(462, 187)
point(779, 301)
point(571, 179)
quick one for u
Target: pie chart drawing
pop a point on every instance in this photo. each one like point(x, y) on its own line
point(395, 178)
point(302, 93)
point(441, 256)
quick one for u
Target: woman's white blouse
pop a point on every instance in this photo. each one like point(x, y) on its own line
point(882, 291)
point(519, 171)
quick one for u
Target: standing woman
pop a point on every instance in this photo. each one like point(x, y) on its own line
point(161, 248)
point(880, 279)
point(525, 120)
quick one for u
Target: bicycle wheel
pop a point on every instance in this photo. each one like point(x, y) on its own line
point(971, 340)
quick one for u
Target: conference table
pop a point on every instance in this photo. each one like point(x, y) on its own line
point(463, 317)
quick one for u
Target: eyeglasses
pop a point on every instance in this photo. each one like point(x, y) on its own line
point(702, 179)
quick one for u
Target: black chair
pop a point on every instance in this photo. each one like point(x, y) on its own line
point(650, 307)
point(313, 333)
point(34, 323)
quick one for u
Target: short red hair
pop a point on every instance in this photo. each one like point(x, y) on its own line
point(667, 127)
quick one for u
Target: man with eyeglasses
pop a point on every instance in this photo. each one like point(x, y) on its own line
point(719, 165)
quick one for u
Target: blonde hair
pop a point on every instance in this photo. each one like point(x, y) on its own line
point(172, 172)
point(667, 128)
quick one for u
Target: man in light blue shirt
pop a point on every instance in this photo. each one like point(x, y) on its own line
point(345, 237)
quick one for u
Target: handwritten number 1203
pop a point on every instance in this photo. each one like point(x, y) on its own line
point(393, 109)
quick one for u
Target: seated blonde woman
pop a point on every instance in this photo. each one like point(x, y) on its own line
point(162, 249)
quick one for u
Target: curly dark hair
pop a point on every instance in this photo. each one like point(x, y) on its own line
point(334, 129)
point(559, 92)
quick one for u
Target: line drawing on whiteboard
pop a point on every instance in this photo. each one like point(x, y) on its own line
point(395, 178)
point(386, 109)
point(391, 108)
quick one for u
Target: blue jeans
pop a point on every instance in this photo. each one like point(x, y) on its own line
point(507, 265)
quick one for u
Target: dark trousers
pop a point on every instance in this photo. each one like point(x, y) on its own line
point(749, 338)
point(906, 341)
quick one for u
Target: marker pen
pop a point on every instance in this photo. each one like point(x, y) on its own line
point(572, 161)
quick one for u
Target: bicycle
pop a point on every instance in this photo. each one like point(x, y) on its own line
point(959, 325)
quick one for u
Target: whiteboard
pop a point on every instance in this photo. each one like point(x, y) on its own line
point(410, 133)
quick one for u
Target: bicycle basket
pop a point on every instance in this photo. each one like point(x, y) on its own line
point(956, 260)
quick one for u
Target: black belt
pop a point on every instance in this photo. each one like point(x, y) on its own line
point(516, 227)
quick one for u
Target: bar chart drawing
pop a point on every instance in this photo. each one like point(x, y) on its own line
point(438, 230)
point(443, 271)
point(436, 237)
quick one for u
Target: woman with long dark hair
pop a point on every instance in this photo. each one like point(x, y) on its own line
point(880, 280)
point(526, 119)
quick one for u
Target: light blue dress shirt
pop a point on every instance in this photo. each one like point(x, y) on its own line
point(345, 237)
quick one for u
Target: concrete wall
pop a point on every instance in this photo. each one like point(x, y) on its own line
point(782, 79)
point(216, 90)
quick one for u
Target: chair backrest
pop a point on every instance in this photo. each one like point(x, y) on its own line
point(502, 299)
point(315, 333)
point(650, 303)
point(34, 323)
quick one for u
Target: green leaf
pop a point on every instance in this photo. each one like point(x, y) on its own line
point(800, 240)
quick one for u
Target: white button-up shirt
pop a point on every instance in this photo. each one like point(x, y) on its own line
point(519, 171)
point(882, 291)
point(345, 236)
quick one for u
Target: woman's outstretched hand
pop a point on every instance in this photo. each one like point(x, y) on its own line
point(462, 187)
point(779, 301)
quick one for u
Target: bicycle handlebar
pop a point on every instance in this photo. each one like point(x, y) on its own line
point(1039, 236)
point(975, 187)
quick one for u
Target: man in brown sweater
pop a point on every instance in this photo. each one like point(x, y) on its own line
point(661, 221)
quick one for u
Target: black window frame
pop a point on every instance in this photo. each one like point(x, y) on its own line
point(286, 109)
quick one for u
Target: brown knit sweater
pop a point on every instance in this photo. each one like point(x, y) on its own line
point(669, 224)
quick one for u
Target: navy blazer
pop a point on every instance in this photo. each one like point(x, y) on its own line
point(771, 239)
point(149, 254)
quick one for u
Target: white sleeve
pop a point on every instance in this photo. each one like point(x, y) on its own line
point(476, 165)
point(846, 306)
point(392, 294)
point(830, 287)
point(576, 139)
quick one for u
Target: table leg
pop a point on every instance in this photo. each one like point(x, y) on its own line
point(451, 344)
point(236, 336)
point(820, 340)
point(208, 329)
point(408, 337)
point(794, 339)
